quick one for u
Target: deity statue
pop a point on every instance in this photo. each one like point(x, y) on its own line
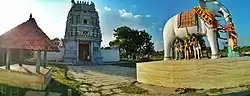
point(186, 49)
point(178, 49)
point(196, 48)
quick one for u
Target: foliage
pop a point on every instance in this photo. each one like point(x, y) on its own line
point(133, 89)
point(61, 84)
point(243, 49)
point(238, 49)
point(28, 54)
point(132, 42)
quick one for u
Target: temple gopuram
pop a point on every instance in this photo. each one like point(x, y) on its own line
point(82, 35)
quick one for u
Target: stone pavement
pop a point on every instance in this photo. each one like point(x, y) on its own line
point(111, 80)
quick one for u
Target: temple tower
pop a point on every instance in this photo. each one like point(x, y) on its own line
point(82, 35)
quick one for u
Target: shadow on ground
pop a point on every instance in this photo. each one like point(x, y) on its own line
point(58, 87)
point(129, 64)
point(242, 93)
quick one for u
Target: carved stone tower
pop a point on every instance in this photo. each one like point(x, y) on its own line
point(83, 35)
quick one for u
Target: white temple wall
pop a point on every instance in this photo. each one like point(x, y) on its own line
point(52, 55)
point(110, 55)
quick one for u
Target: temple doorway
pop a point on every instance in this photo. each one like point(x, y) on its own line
point(84, 52)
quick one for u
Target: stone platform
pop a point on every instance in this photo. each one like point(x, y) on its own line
point(26, 76)
point(200, 74)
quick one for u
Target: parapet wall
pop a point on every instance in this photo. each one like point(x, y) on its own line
point(200, 74)
point(110, 55)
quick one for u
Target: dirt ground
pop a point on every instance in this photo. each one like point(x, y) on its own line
point(110, 80)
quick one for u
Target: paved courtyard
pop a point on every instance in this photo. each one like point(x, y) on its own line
point(111, 80)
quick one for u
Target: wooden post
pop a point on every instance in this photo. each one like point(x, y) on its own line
point(8, 59)
point(4, 56)
point(45, 59)
point(38, 61)
point(69, 92)
point(20, 58)
point(10, 91)
point(66, 69)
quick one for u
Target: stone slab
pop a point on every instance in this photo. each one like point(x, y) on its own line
point(200, 74)
point(26, 77)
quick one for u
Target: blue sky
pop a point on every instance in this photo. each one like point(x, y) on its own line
point(150, 15)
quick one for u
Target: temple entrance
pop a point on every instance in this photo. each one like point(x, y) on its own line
point(84, 52)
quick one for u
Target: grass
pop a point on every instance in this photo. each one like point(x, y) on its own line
point(61, 84)
point(133, 89)
point(216, 90)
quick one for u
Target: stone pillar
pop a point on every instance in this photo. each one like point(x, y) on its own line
point(38, 61)
point(77, 51)
point(20, 58)
point(91, 51)
point(8, 57)
point(45, 59)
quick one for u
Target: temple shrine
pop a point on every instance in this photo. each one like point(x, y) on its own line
point(83, 35)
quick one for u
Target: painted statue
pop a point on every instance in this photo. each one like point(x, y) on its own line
point(178, 49)
point(200, 20)
point(196, 48)
point(187, 49)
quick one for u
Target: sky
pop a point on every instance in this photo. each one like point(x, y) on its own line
point(149, 15)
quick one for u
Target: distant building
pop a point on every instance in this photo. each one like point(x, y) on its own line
point(83, 35)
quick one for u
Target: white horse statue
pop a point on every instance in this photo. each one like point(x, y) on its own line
point(172, 29)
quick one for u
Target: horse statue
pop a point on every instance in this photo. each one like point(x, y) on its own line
point(201, 21)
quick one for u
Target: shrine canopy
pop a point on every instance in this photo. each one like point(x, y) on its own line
point(27, 36)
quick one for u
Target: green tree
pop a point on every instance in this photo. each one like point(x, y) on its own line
point(132, 42)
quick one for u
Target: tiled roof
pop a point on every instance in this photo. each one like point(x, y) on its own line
point(27, 36)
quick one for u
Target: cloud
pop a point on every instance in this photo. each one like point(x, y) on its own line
point(148, 16)
point(134, 6)
point(107, 8)
point(125, 14)
point(137, 16)
point(158, 45)
point(119, 18)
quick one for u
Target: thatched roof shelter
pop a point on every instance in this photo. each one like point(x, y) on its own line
point(27, 36)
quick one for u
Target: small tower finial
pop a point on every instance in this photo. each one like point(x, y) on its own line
point(30, 15)
point(73, 2)
point(92, 3)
